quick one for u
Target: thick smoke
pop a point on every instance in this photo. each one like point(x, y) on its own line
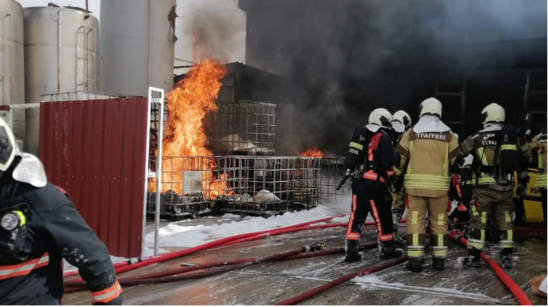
point(215, 28)
point(353, 56)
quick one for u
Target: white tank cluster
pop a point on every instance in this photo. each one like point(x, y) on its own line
point(54, 50)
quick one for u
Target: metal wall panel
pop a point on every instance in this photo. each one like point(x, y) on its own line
point(95, 150)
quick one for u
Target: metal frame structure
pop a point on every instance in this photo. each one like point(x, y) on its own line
point(153, 98)
point(243, 127)
point(331, 172)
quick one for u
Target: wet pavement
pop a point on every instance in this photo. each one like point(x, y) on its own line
point(271, 282)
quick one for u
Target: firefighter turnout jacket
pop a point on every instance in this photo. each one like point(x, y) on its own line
point(426, 159)
point(40, 227)
point(535, 151)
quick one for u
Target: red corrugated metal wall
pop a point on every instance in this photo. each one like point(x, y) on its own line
point(96, 150)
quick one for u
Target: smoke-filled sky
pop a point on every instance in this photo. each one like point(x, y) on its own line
point(352, 56)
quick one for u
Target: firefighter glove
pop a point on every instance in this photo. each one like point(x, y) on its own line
point(115, 301)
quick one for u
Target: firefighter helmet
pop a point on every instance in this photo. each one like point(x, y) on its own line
point(380, 117)
point(403, 118)
point(430, 106)
point(7, 146)
point(493, 113)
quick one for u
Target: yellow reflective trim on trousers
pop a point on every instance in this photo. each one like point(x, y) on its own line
point(510, 235)
point(415, 239)
point(508, 147)
point(477, 245)
point(411, 144)
point(440, 219)
point(440, 240)
point(486, 179)
point(484, 217)
point(415, 254)
point(507, 217)
point(482, 156)
point(474, 211)
point(506, 245)
point(356, 145)
point(446, 162)
point(414, 217)
point(482, 236)
point(439, 253)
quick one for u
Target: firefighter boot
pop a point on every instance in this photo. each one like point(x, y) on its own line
point(438, 263)
point(506, 258)
point(414, 265)
point(352, 249)
point(473, 259)
point(387, 250)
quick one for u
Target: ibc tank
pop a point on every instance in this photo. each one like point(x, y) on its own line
point(137, 45)
point(61, 55)
point(12, 79)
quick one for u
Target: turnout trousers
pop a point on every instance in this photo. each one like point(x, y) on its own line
point(370, 196)
point(416, 229)
point(498, 203)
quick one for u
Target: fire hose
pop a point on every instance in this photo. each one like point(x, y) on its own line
point(508, 282)
point(372, 269)
point(139, 262)
point(220, 267)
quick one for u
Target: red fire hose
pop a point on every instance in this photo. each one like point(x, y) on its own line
point(126, 266)
point(220, 267)
point(508, 282)
point(308, 294)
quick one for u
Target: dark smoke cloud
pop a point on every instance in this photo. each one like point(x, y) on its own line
point(355, 55)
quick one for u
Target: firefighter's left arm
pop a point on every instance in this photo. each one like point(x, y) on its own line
point(454, 151)
point(79, 245)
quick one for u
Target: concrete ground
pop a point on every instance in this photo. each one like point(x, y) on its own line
point(268, 283)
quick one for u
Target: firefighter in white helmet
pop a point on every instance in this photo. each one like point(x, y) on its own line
point(495, 160)
point(426, 153)
point(401, 122)
point(370, 156)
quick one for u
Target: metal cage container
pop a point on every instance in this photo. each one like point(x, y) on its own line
point(243, 128)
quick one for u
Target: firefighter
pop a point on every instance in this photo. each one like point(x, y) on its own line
point(535, 151)
point(495, 159)
point(401, 122)
point(426, 153)
point(370, 191)
point(39, 227)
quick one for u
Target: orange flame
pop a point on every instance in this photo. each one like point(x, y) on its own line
point(188, 103)
point(312, 152)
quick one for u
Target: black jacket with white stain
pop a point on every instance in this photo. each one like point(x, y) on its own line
point(39, 227)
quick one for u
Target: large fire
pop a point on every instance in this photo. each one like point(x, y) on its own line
point(312, 152)
point(188, 103)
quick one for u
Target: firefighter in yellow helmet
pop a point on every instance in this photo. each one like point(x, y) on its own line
point(494, 153)
point(426, 153)
point(401, 122)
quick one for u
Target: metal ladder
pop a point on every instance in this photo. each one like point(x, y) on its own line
point(84, 82)
point(5, 44)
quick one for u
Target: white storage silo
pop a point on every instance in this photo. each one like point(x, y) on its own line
point(137, 45)
point(12, 70)
point(61, 56)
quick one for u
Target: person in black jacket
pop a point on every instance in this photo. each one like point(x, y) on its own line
point(39, 226)
point(371, 193)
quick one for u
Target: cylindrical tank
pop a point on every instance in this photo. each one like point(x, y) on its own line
point(12, 69)
point(137, 45)
point(61, 56)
